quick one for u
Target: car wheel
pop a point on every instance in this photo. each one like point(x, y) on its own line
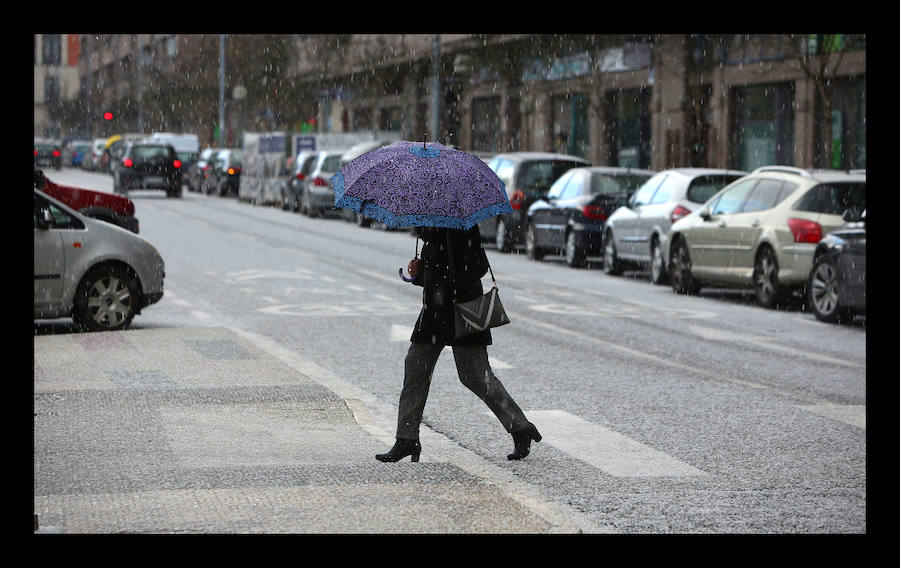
point(611, 263)
point(824, 297)
point(574, 254)
point(680, 270)
point(106, 299)
point(532, 251)
point(657, 265)
point(502, 237)
point(765, 278)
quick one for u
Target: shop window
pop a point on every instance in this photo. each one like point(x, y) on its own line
point(763, 120)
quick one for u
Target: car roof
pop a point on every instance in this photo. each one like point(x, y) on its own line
point(696, 172)
point(616, 170)
point(813, 174)
point(529, 156)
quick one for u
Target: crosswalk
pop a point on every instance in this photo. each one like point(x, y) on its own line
point(605, 449)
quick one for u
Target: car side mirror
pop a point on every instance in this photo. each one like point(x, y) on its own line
point(45, 219)
point(705, 214)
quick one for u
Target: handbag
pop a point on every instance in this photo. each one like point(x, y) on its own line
point(481, 313)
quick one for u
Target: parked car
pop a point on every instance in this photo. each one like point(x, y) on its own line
point(200, 172)
point(94, 272)
point(837, 282)
point(761, 231)
point(527, 177)
point(637, 233)
point(73, 151)
point(114, 209)
point(303, 166)
point(148, 165)
point(318, 196)
point(226, 173)
point(78, 153)
point(571, 217)
point(47, 153)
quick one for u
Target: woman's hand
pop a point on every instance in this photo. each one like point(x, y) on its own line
point(413, 267)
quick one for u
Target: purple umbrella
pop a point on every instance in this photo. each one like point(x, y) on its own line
point(409, 184)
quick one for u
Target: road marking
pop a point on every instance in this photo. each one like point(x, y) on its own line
point(343, 309)
point(253, 274)
point(607, 450)
point(765, 343)
point(852, 414)
point(617, 311)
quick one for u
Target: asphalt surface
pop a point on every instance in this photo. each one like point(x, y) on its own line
point(217, 430)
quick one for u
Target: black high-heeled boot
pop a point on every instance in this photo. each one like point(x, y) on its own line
point(402, 448)
point(522, 441)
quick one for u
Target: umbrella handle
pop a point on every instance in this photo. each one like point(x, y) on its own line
point(404, 278)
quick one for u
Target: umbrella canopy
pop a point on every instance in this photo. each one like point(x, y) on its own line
point(409, 184)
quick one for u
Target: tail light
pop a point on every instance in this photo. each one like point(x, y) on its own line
point(300, 176)
point(232, 171)
point(594, 212)
point(35, 152)
point(805, 231)
point(517, 200)
point(127, 162)
point(320, 181)
point(57, 153)
point(177, 163)
point(678, 213)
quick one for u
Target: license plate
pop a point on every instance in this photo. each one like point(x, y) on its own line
point(153, 180)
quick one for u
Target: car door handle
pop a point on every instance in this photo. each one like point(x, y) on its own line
point(755, 224)
point(722, 224)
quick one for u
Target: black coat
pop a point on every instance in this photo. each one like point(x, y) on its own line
point(442, 289)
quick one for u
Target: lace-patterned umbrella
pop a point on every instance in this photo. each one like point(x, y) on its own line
point(412, 184)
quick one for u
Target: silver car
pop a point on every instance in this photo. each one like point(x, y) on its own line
point(97, 273)
point(318, 195)
point(638, 232)
point(761, 231)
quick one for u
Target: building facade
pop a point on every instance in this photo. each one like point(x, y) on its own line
point(649, 101)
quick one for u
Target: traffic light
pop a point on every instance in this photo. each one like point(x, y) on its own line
point(108, 115)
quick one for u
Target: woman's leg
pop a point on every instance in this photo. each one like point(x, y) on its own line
point(475, 372)
point(420, 361)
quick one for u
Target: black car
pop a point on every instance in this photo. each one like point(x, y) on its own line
point(527, 176)
point(148, 165)
point(571, 217)
point(837, 281)
point(47, 154)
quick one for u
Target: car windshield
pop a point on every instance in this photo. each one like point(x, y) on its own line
point(536, 177)
point(150, 152)
point(605, 183)
point(702, 188)
point(332, 163)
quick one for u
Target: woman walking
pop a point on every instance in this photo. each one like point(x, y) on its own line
point(447, 280)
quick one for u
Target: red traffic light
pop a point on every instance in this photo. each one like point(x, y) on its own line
point(107, 116)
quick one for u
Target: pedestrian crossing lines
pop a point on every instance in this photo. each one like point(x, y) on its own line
point(605, 449)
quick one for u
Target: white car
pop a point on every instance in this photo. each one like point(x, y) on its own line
point(99, 274)
point(637, 233)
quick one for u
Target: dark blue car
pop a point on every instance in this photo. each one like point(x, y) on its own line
point(837, 282)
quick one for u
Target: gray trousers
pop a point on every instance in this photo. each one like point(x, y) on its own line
point(474, 372)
